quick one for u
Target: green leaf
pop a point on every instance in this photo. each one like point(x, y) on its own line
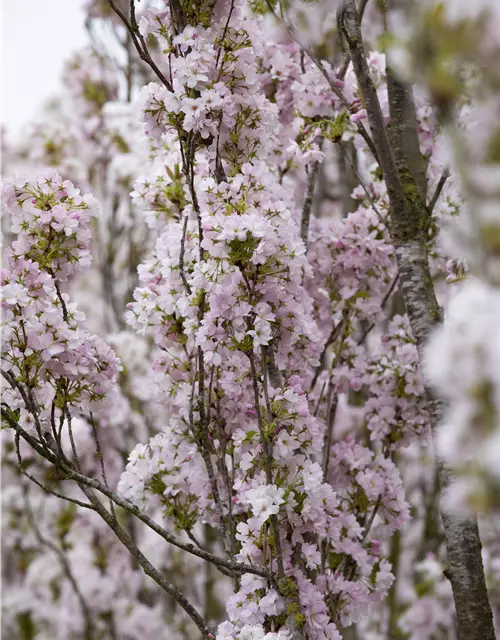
point(337, 128)
point(9, 416)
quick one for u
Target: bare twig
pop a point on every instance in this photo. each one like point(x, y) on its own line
point(322, 360)
point(439, 188)
point(267, 460)
point(72, 440)
point(87, 616)
point(223, 37)
point(306, 209)
point(295, 630)
point(140, 44)
point(369, 524)
point(382, 305)
point(61, 496)
point(203, 442)
point(181, 256)
point(319, 64)
point(370, 198)
point(340, 95)
point(327, 440)
point(101, 460)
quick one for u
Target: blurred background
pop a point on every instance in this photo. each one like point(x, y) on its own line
point(37, 39)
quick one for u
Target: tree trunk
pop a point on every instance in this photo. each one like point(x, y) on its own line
point(404, 174)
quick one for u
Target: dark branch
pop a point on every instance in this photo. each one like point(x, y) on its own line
point(439, 188)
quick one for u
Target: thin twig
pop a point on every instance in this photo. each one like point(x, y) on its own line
point(371, 199)
point(181, 256)
point(140, 45)
point(101, 459)
point(320, 398)
point(296, 631)
point(372, 518)
point(382, 305)
point(89, 627)
point(306, 209)
point(78, 503)
point(203, 442)
point(72, 440)
point(329, 341)
point(359, 125)
point(439, 188)
point(226, 27)
point(61, 299)
point(327, 440)
point(319, 64)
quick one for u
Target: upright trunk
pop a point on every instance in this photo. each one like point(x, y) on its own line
point(404, 174)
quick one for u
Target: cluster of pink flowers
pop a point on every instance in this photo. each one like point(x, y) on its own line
point(91, 81)
point(396, 405)
point(44, 345)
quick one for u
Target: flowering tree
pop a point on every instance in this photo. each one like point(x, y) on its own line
point(298, 213)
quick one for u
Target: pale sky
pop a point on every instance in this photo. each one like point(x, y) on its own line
point(37, 37)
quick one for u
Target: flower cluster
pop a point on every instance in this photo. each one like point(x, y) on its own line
point(396, 405)
point(91, 78)
point(45, 348)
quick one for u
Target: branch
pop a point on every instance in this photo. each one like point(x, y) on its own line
point(72, 474)
point(224, 33)
point(306, 209)
point(327, 440)
point(203, 443)
point(181, 256)
point(345, 62)
point(439, 188)
point(295, 631)
point(101, 460)
point(79, 503)
point(140, 44)
point(349, 23)
point(333, 334)
point(146, 565)
point(359, 125)
point(382, 305)
point(370, 198)
point(177, 15)
point(403, 134)
point(267, 460)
